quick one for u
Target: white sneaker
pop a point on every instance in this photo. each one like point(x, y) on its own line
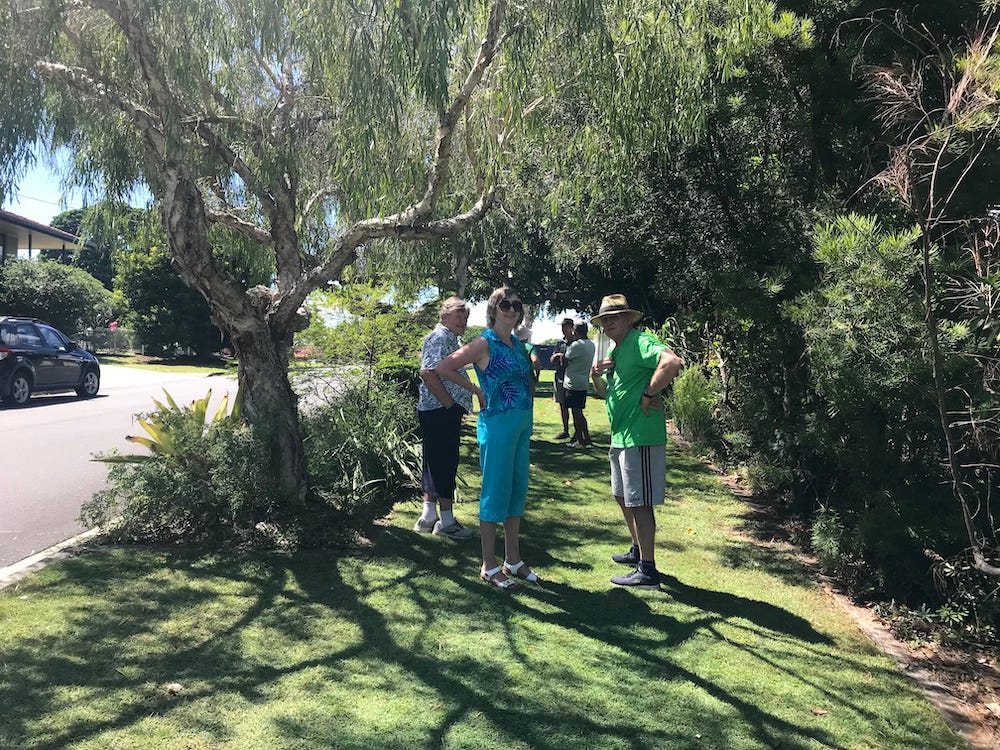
point(456, 531)
point(425, 527)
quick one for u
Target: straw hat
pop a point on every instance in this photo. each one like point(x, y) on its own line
point(614, 304)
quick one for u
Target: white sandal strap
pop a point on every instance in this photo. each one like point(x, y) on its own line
point(507, 583)
point(512, 569)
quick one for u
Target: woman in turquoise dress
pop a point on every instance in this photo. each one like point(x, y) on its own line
point(506, 395)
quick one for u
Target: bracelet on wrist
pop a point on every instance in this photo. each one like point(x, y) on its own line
point(648, 395)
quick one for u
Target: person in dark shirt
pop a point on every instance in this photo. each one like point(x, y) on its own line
point(558, 358)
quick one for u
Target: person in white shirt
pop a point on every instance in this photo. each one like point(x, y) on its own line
point(559, 360)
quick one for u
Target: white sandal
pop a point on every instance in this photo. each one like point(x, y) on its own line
point(489, 577)
point(511, 570)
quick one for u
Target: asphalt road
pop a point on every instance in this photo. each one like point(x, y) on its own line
point(46, 471)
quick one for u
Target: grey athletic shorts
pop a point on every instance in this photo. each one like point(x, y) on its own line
point(639, 474)
point(560, 391)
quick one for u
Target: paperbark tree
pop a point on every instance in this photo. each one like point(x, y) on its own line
point(314, 128)
point(232, 113)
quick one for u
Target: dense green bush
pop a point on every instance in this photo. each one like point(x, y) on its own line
point(68, 298)
point(828, 538)
point(971, 611)
point(362, 446)
point(868, 441)
point(212, 486)
point(164, 312)
point(692, 403)
point(206, 486)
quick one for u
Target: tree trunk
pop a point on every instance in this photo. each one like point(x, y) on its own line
point(268, 400)
point(271, 404)
point(460, 265)
point(958, 484)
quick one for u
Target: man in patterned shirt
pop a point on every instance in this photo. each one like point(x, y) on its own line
point(440, 410)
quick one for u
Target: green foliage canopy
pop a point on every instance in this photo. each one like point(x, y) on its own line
point(68, 298)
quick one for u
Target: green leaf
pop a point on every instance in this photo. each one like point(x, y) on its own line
point(221, 412)
point(133, 458)
point(200, 407)
point(153, 446)
point(170, 400)
point(163, 441)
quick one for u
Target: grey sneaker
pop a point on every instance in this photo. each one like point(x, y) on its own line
point(638, 579)
point(626, 558)
point(456, 532)
point(425, 527)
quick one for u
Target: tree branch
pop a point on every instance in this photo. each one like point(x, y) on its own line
point(438, 175)
point(345, 249)
point(245, 228)
point(82, 81)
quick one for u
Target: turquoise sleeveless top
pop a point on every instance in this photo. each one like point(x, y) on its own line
point(507, 378)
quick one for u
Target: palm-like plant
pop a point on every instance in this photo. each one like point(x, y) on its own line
point(166, 426)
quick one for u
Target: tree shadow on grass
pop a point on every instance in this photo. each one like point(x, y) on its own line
point(777, 563)
point(138, 622)
point(121, 642)
point(609, 618)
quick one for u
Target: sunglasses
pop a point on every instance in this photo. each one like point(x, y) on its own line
point(506, 305)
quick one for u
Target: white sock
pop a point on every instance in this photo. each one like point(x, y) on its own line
point(447, 518)
point(430, 512)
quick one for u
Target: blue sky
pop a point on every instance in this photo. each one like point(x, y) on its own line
point(39, 196)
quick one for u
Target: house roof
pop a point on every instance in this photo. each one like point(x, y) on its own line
point(36, 236)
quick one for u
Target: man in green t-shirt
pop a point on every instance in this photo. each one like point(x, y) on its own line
point(637, 369)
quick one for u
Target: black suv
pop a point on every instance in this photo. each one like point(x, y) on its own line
point(36, 358)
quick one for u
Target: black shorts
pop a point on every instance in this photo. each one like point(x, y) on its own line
point(576, 399)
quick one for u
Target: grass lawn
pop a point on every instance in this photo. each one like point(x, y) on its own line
point(408, 649)
point(181, 364)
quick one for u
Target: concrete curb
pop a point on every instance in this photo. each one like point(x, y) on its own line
point(29, 565)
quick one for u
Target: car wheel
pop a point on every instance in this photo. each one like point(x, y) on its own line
point(19, 391)
point(90, 385)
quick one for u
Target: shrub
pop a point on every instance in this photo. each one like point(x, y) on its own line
point(362, 446)
point(211, 485)
point(771, 479)
point(971, 611)
point(692, 402)
point(200, 485)
point(165, 313)
point(828, 539)
point(66, 297)
point(840, 548)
